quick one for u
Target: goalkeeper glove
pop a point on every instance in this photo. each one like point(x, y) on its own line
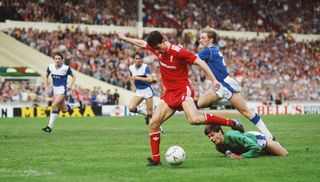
point(229, 154)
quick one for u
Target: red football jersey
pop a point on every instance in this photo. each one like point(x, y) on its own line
point(174, 66)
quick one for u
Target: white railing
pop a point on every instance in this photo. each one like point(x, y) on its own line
point(44, 26)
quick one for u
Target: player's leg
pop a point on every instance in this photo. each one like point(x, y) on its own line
point(196, 118)
point(64, 107)
point(57, 99)
point(275, 148)
point(135, 101)
point(161, 114)
point(149, 104)
point(68, 107)
point(240, 104)
point(207, 99)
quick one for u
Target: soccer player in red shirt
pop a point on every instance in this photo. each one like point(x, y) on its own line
point(174, 62)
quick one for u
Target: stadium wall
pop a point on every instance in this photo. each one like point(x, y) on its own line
point(44, 26)
point(27, 110)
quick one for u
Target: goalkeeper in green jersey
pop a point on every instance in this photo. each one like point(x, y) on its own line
point(234, 144)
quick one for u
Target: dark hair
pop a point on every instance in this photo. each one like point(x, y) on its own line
point(140, 54)
point(58, 54)
point(212, 128)
point(154, 38)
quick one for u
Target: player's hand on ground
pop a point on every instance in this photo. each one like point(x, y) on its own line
point(229, 154)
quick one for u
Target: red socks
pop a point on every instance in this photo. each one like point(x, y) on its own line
point(155, 145)
point(155, 136)
point(212, 119)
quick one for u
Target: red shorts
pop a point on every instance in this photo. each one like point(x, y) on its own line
point(174, 98)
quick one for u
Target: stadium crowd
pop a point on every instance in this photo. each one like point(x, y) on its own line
point(270, 69)
point(240, 15)
point(120, 13)
point(23, 91)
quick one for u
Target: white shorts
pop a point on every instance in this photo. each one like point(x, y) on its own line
point(60, 90)
point(231, 84)
point(145, 93)
point(261, 139)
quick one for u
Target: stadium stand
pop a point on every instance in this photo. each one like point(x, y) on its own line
point(250, 61)
point(98, 53)
point(23, 55)
point(87, 12)
point(242, 15)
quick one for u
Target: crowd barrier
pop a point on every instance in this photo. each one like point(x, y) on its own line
point(7, 111)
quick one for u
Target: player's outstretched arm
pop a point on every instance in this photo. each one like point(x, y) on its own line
point(237, 138)
point(46, 80)
point(221, 91)
point(133, 87)
point(206, 70)
point(137, 42)
point(72, 82)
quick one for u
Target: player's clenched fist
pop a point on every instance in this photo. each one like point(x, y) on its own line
point(121, 36)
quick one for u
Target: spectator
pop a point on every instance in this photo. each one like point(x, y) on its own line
point(116, 97)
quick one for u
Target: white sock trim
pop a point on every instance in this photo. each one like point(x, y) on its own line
point(53, 117)
point(263, 129)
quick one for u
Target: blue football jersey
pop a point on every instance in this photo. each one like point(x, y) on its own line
point(213, 57)
point(143, 71)
point(59, 75)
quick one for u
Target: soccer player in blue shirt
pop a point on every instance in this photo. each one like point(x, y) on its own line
point(141, 79)
point(211, 54)
point(59, 73)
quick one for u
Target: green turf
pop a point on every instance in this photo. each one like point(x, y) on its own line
point(115, 149)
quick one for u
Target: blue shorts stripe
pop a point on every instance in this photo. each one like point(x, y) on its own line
point(228, 87)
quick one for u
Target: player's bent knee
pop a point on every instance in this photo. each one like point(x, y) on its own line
point(54, 106)
point(199, 104)
point(194, 120)
point(133, 109)
point(154, 125)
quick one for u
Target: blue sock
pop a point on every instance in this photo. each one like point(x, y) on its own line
point(69, 108)
point(55, 111)
point(255, 119)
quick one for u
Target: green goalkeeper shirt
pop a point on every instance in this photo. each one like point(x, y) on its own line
point(240, 143)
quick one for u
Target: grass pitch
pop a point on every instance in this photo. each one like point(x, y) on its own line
point(115, 149)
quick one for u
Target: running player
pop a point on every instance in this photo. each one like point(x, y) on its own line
point(234, 144)
point(174, 62)
point(141, 79)
point(59, 73)
point(213, 57)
